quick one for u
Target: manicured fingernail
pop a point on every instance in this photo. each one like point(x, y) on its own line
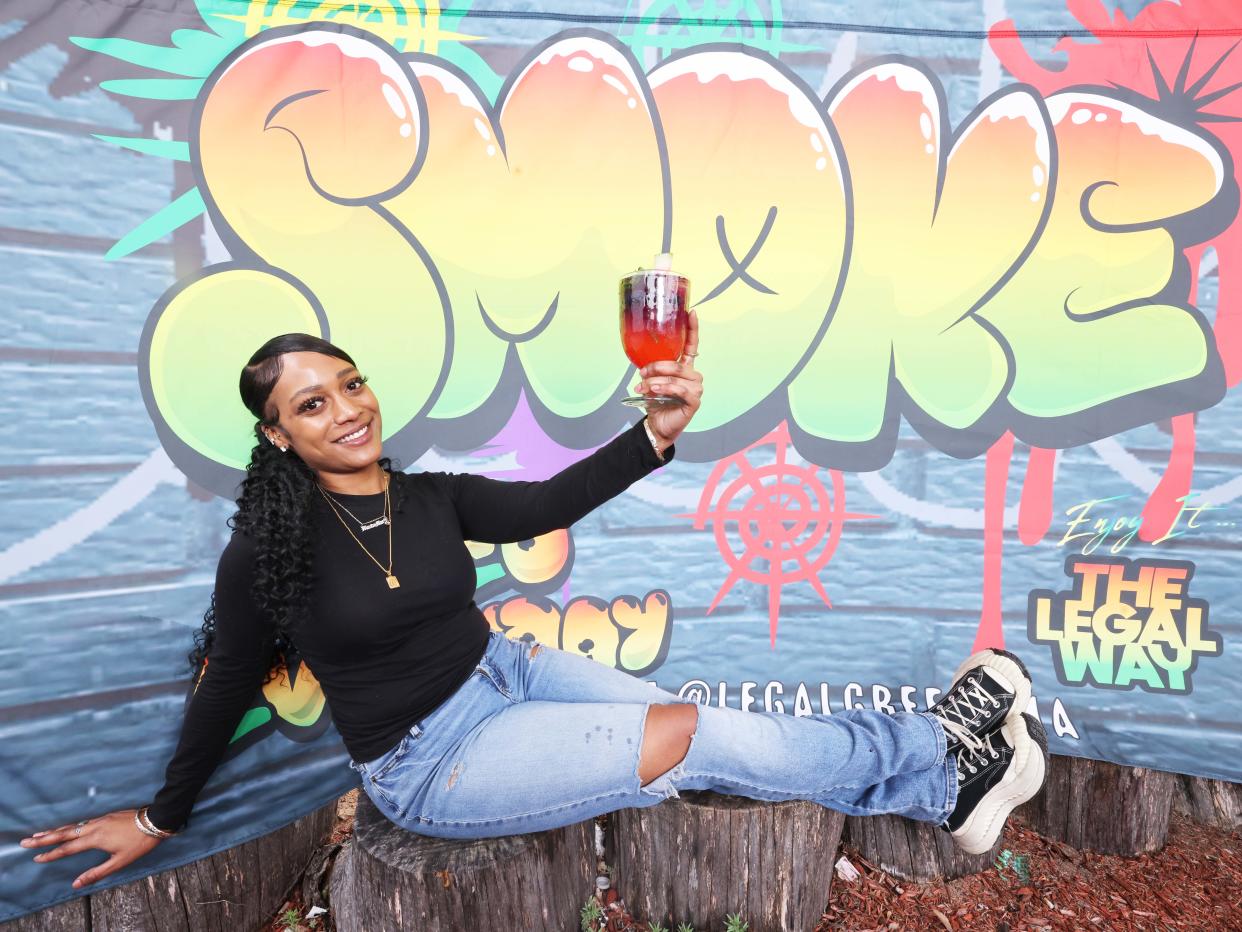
point(38, 834)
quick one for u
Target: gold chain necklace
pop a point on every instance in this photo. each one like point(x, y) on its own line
point(393, 582)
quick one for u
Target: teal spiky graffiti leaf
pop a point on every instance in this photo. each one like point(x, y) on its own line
point(479, 71)
point(195, 53)
point(162, 148)
point(204, 47)
point(485, 574)
point(155, 88)
point(193, 56)
point(231, 29)
point(168, 218)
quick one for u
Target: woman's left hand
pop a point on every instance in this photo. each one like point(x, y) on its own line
point(676, 379)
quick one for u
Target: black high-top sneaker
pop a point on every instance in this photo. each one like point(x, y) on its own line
point(990, 687)
point(1005, 770)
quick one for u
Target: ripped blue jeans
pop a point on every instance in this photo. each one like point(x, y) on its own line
point(537, 738)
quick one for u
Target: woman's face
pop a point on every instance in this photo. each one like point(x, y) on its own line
point(326, 413)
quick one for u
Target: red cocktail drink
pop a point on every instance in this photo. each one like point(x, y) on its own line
point(654, 321)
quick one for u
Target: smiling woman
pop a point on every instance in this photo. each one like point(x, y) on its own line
point(328, 415)
point(428, 700)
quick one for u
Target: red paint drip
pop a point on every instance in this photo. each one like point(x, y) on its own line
point(1164, 506)
point(996, 477)
point(1035, 509)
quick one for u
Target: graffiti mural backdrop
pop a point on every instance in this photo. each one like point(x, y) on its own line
point(970, 284)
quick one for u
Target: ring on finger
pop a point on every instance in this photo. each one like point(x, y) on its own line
point(78, 828)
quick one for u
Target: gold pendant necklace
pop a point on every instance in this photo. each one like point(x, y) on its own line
point(393, 582)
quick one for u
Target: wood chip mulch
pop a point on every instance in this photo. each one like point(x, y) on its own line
point(1193, 883)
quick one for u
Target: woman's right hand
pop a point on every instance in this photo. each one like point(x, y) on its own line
point(115, 833)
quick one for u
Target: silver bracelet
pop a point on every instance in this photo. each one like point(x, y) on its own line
point(142, 828)
point(147, 827)
point(651, 436)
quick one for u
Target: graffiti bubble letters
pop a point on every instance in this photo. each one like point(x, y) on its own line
point(1092, 524)
point(1124, 623)
point(628, 633)
point(534, 567)
point(461, 247)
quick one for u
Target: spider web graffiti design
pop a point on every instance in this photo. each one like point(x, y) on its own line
point(776, 523)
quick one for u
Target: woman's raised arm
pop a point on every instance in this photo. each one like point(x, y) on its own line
point(497, 512)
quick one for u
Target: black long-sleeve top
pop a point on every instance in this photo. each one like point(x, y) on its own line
point(384, 657)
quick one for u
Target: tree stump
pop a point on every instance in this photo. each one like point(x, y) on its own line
point(1212, 802)
point(240, 888)
point(700, 857)
point(917, 851)
point(388, 878)
point(1102, 806)
point(73, 916)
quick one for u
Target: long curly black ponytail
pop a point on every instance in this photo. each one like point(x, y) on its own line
point(274, 506)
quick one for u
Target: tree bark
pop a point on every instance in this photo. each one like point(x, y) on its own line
point(73, 916)
point(1212, 802)
point(917, 851)
point(700, 857)
point(388, 878)
point(235, 889)
point(240, 888)
point(1102, 806)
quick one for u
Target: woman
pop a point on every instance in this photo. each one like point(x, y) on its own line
point(456, 730)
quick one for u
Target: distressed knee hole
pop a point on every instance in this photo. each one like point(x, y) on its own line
point(667, 733)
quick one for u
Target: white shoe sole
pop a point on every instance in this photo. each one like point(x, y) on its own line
point(1012, 673)
point(979, 832)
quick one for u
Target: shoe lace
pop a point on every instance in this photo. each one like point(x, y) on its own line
point(970, 755)
point(961, 708)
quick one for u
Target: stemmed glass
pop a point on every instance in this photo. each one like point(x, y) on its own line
point(655, 317)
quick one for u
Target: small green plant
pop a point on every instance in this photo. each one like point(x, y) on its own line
point(685, 927)
point(656, 927)
point(591, 914)
point(734, 923)
point(291, 918)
